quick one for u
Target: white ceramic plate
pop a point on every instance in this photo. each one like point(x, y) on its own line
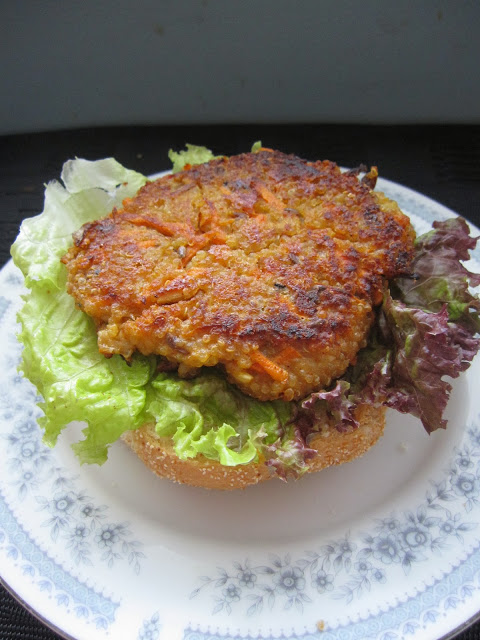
point(385, 547)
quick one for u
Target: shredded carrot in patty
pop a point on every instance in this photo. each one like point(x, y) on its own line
point(146, 244)
point(273, 369)
point(199, 242)
point(271, 198)
point(169, 229)
point(225, 264)
point(287, 354)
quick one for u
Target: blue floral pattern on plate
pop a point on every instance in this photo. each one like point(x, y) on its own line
point(75, 521)
point(150, 628)
point(73, 518)
point(41, 570)
point(347, 568)
point(81, 558)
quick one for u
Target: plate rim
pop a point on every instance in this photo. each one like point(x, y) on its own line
point(445, 212)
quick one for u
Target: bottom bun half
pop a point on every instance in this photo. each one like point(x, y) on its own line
point(333, 448)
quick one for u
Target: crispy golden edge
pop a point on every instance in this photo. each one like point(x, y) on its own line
point(287, 317)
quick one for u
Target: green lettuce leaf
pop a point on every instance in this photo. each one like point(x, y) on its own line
point(414, 344)
point(189, 411)
point(90, 191)
point(203, 416)
point(60, 354)
point(192, 155)
point(61, 358)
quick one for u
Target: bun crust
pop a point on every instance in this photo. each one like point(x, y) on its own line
point(333, 448)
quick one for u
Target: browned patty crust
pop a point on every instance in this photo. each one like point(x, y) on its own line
point(262, 263)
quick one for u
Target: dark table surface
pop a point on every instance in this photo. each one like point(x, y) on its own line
point(442, 162)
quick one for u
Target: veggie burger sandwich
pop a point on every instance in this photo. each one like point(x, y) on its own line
point(241, 318)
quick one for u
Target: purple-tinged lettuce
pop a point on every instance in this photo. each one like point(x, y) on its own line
point(290, 454)
point(427, 329)
point(427, 347)
point(439, 277)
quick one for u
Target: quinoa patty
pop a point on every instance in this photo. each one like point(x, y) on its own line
point(264, 264)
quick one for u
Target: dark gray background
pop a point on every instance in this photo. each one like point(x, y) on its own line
point(67, 64)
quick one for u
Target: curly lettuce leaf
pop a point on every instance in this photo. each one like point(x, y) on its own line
point(439, 277)
point(60, 356)
point(428, 347)
point(289, 456)
point(433, 321)
point(90, 191)
point(426, 330)
point(364, 383)
point(192, 155)
point(190, 412)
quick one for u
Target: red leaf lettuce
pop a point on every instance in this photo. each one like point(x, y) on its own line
point(427, 329)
